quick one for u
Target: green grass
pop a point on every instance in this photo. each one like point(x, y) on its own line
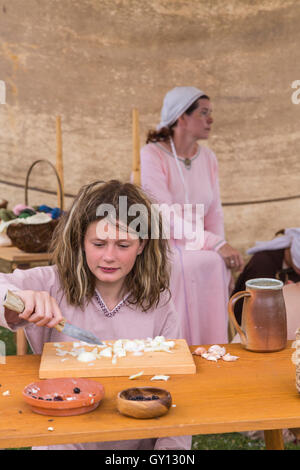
point(232, 441)
point(8, 338)
point(228, 441)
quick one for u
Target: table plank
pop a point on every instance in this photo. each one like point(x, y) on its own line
point(257, 392)
point(12, 253)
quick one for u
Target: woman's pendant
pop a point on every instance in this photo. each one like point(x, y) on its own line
point(187, 163)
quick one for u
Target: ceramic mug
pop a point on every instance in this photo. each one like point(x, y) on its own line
point(264, 323)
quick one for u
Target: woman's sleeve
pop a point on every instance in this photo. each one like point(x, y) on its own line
point(214, 219)
point(154, 176)
point(154, 181)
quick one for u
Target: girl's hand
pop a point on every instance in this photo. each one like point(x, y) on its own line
point(40, 308)
point(232, 257)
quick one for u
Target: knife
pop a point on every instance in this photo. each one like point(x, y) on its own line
point(15, 303)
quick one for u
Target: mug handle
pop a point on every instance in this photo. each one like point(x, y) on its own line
point(231, 304)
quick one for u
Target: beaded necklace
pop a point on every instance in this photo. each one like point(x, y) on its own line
point(109, 313)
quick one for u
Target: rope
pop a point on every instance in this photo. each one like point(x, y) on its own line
point(33, 188)
point(262, 201)
point(225, 204)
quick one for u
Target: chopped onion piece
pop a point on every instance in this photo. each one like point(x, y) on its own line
point(228, 357)
point(134, 376)
point(160, 377)
point(86, 357)
point(107, 352)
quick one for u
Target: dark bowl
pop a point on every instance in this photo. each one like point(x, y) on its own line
point(144, 402)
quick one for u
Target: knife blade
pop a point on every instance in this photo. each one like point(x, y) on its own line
point(15, 303)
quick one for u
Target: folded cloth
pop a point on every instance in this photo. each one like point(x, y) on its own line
point(20, 208)
point(54, 212)
point(291, 238)
point(40, 218)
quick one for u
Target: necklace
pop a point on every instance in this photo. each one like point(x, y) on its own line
point(188, 163)
point(109, 313)
point(185, 160)
point(179, 169)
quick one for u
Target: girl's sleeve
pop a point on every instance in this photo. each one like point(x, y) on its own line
point(167, 319)
point(154, 180)
point(37, 279)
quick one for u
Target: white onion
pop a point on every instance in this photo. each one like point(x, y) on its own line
point(86, 357)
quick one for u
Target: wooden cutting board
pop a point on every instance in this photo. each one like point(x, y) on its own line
point(179, 361)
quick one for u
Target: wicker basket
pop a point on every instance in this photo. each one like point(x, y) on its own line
point(3, 203)
point(34, 238)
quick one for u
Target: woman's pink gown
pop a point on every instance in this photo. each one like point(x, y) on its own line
point(199, 278)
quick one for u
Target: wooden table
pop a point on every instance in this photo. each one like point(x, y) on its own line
point(257, 392)
point(10, 259)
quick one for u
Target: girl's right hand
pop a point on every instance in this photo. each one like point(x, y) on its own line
point(40, 308)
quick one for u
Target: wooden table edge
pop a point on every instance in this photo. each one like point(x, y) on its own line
point(56, 438)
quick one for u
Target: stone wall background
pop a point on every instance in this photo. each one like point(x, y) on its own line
point(92, 61)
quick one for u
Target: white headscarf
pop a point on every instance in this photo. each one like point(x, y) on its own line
point(291, 238)
point(176, 102)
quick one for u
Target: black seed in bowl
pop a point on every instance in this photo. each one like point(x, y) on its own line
point(76, 390)
point(155, 397)
point(58, 398)
point(142, 398)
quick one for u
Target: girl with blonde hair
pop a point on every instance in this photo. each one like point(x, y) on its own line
point(110, 276)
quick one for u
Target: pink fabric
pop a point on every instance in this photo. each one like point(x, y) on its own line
point(199, 279)
point(128, 323)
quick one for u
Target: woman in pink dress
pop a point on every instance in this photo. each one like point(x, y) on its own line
point(106, 279)
point(177, 171)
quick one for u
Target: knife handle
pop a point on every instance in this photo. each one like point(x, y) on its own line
point(60, 326)
point(15, 303)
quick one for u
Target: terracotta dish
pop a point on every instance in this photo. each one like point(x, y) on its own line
point(64, 396)
point(144, 402)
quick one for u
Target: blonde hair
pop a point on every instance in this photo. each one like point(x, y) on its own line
point(149, 276)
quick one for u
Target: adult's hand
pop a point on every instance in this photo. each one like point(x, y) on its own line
point(40, 308)
point(232, 257)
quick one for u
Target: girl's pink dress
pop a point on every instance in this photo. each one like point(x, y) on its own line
point(127, 323)
point(199, 277)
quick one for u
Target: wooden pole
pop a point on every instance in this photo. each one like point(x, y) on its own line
point(59, 158)
point(136, 147)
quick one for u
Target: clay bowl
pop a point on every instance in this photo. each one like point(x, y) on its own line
point(64, 396)
point(128, 404)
